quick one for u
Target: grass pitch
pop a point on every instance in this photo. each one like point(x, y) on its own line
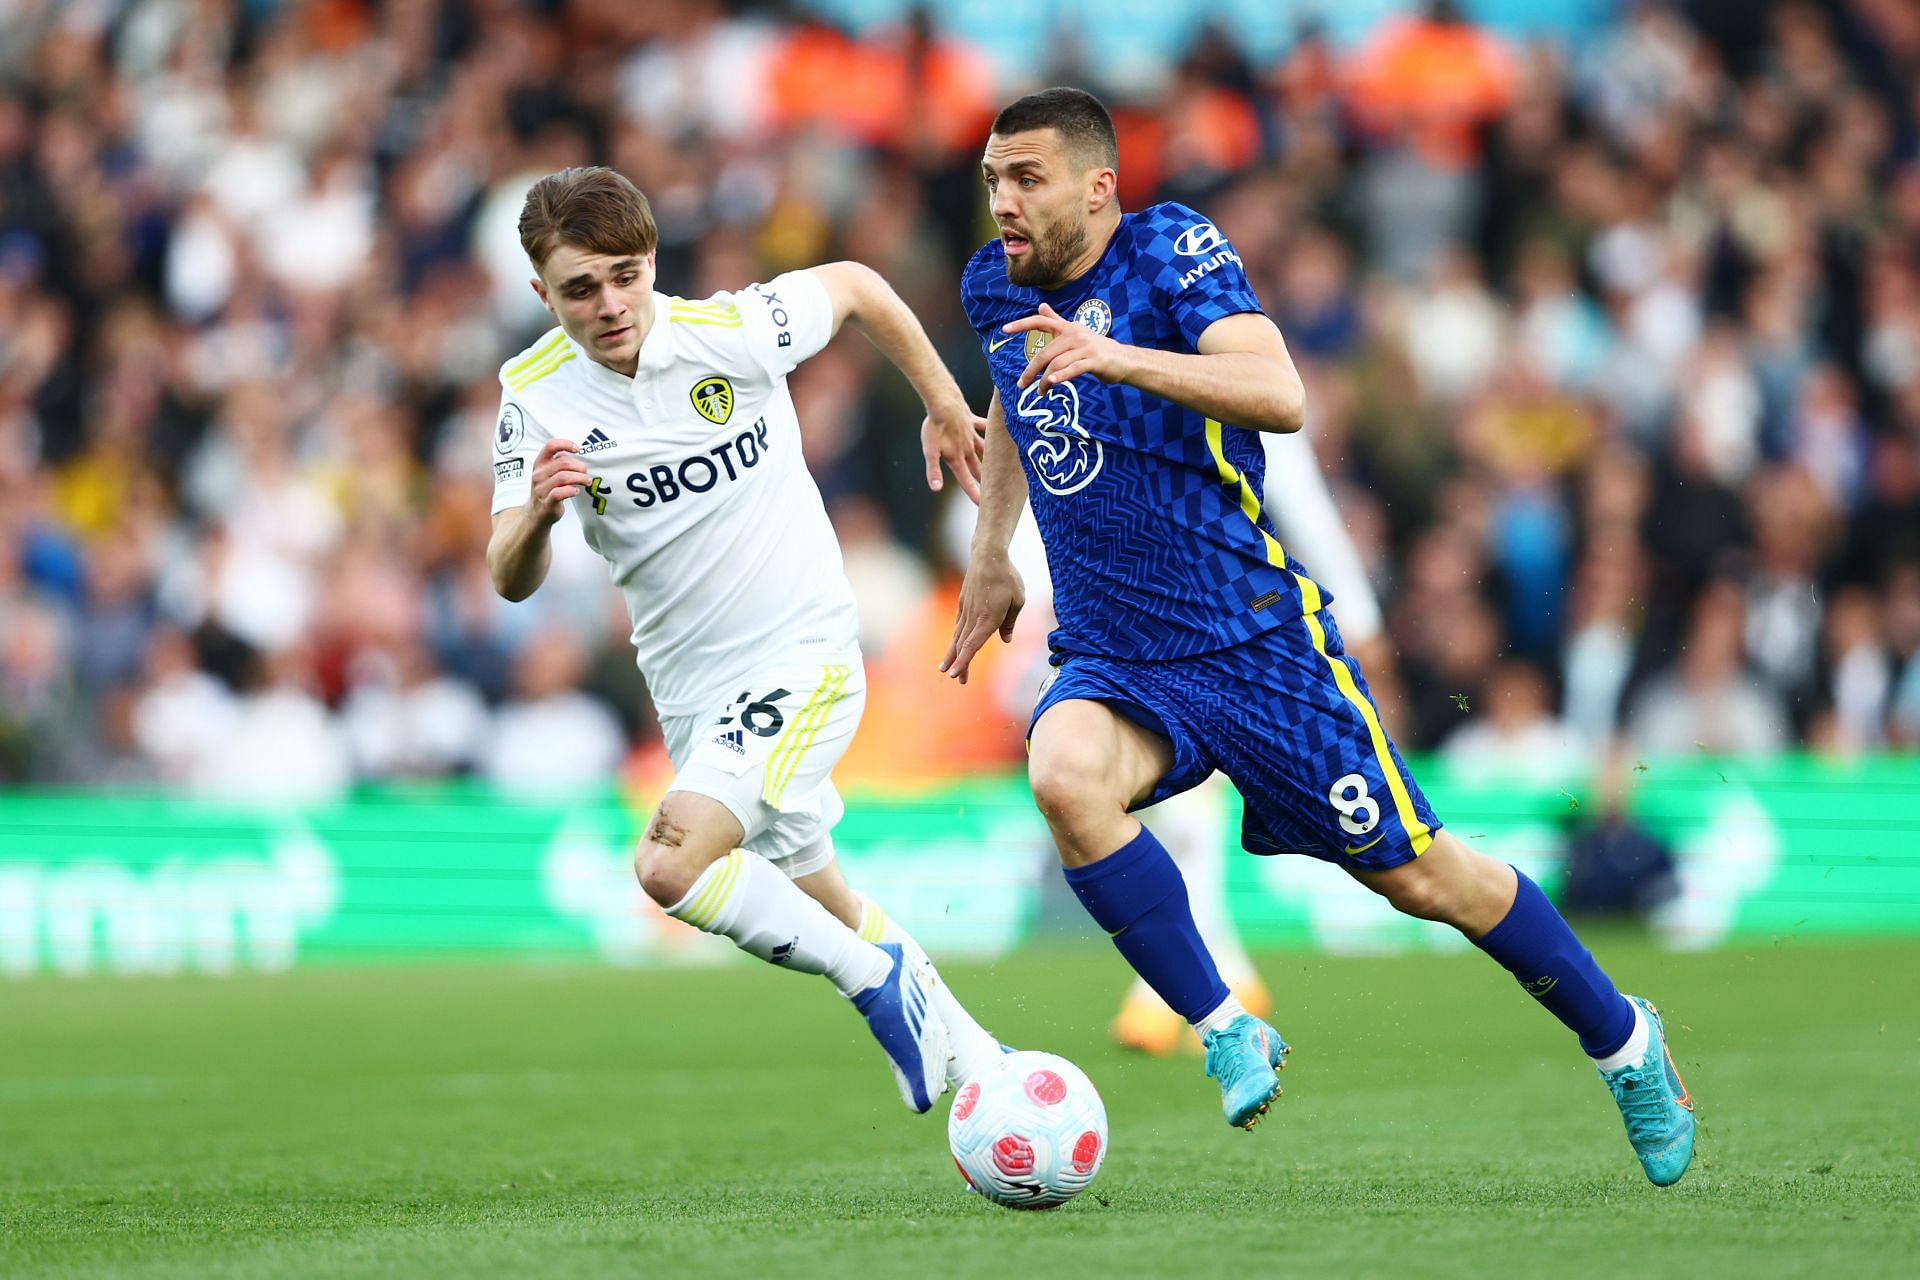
point(585, 1122)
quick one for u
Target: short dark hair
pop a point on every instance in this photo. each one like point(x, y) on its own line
point(1082, 120)
point(592, 208)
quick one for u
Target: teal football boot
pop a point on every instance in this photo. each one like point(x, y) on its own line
point(1245, 1057)
point(1656, 1105)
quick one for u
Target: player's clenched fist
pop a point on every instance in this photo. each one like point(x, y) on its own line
point(558, 474)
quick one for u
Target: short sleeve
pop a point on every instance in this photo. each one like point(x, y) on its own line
point(516, 440)
point(1202, 279)
point(788, 319)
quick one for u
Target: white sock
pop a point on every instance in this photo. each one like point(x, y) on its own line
point(972, 1048)
point(1217, 1020)
point(1636, 1046)
point(746, 898)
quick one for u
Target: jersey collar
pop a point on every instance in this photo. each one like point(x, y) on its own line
point(1070, 292)
point(656, 349)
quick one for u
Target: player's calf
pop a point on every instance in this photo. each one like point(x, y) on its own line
point(742, 897)
point(1508, 917)
point(1449, 883)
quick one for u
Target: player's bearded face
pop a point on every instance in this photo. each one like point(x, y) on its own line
point(1038, 193)
point(1057, 243)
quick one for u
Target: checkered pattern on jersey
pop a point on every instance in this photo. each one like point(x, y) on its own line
point(1270, 716)
point(1152, 554)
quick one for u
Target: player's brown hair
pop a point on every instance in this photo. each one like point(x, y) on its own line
point(1081, 118)
point(591, 208)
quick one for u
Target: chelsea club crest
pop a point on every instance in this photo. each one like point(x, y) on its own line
point(1095, 314)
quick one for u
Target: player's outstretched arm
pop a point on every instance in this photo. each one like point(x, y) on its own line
point(952, 432)
point(992, 595)
point(1242, 373)
point(519, 550)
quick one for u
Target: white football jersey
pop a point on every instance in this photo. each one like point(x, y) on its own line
point(700, 502)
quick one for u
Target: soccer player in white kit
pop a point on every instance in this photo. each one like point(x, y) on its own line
point(667, 427)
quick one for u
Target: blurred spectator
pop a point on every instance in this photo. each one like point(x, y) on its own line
point(1859, 675)
point(1708, 701)
point(1790, 520)
point(1902, 628)
point(280, 743)
point(180, 712)
point(407, 720)
point(1421, 88)
point(549, 738)
point(1603, 641)
point(889, 581)
point(1612, 339)
point(1514, 733)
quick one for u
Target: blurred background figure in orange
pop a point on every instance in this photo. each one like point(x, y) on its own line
point(1609, 318)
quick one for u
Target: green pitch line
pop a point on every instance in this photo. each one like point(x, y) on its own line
point(583, 1122)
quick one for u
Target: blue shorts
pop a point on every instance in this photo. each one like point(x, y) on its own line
point(1285, 715)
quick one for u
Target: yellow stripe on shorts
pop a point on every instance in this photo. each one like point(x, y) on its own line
point(1419, 835)
point(785, 761)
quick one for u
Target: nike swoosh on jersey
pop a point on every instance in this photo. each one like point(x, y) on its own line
point(1368, 845)
point(995, 346)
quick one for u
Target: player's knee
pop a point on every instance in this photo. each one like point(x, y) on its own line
point(664, 872)
point(1072, 783)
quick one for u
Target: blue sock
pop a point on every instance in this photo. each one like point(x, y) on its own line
point(1137, 895)
point(1534, 944)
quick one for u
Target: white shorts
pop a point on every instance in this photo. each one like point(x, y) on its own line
point(767, 753)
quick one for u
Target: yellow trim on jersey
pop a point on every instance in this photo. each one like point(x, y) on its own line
point(722, 315)
point(1250, 504)
point(799, 736)
point(547, 346)
point(704, 910)
point(1419, 835)
point(541, 370)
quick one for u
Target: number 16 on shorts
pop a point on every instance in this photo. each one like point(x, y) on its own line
point(788, 726)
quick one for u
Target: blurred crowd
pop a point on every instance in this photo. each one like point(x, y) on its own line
point(1612, 346)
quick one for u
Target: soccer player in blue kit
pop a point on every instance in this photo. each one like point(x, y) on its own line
point(1131, 364)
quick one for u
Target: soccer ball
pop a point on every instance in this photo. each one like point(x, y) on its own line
point(1029, 1134)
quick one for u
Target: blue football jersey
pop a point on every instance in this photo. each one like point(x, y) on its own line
point(1150, 511)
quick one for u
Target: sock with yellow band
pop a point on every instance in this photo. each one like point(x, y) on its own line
point(974, 1049)
point(746, 898)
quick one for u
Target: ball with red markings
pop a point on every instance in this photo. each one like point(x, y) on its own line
point(1029, 1134)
